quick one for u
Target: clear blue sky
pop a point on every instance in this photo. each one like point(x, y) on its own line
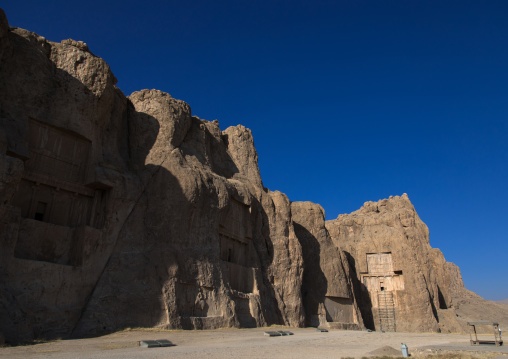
point(348, 101)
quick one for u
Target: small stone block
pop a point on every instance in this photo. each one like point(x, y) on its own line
point(149, 344)
point(272, 334)
point(164, 343)
point(289, 333)
point(322, 330)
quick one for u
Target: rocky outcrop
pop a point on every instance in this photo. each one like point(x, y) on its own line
point(400, 280)
point(130, 211)
point(326, 289)
point(470, 307)
point(64, 153)
point(401, 283)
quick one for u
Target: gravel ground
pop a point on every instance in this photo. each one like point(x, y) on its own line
point(242, 343)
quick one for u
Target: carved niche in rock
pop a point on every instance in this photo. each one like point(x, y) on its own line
point(340, 310)
point(235, 235)
point(52, 196)
point(381, 276)
point(382, 282)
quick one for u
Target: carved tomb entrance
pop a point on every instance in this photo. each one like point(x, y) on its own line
point(382, 282)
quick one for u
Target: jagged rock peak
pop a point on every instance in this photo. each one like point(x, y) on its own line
point(386, 204)
point(4, 24)
point(392, 211)
point(79, 44)
point(147, 94)
point(240, 144)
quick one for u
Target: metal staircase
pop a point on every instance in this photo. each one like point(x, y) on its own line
point(386, 311)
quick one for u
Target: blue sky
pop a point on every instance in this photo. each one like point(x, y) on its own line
point(348, 101)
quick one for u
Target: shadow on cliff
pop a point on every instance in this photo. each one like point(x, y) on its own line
point(441, 298)
point(263, 246)
point(119, 298)
point(361, 293)
point(52, 95)
point(315, 284)
point(34, 88)
point(151, 227)
point(208, 149)
point(154, 276)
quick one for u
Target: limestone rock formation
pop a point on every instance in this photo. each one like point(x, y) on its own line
point(401, 283)
point(65, 181)
point(130, 211)
point(327, 293)
point(470, 307)
point(123, 211)
point(398, 276)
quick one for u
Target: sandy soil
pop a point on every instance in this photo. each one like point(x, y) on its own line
point(243, 343)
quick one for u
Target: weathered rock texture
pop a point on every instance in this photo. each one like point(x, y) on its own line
point(470, 307)
point(326, 288)
point(400, 281)
point(387, 247)
point(129, 211)
point(121, 212)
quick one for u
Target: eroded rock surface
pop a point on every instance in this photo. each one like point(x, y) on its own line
point(327, 292)
point(130, 211)
point(400, 281)
point(387, 245)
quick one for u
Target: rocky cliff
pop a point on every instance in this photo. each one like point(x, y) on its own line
point(326, 289)
point(401, 283)
point(396, 273)
point(123, 211)
point(129, 211)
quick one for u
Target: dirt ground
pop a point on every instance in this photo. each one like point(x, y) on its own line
point(247, 343)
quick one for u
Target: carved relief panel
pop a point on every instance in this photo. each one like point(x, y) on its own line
point(235, 246)
point(381, 277)
point(52, 188)
point(379, 263)
point(56, 153)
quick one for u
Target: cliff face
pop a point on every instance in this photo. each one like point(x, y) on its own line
point(129, 211)
point(200, 248)
point(387, 246)
point(402, 283)
point(327, 293)
point(65, 180)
